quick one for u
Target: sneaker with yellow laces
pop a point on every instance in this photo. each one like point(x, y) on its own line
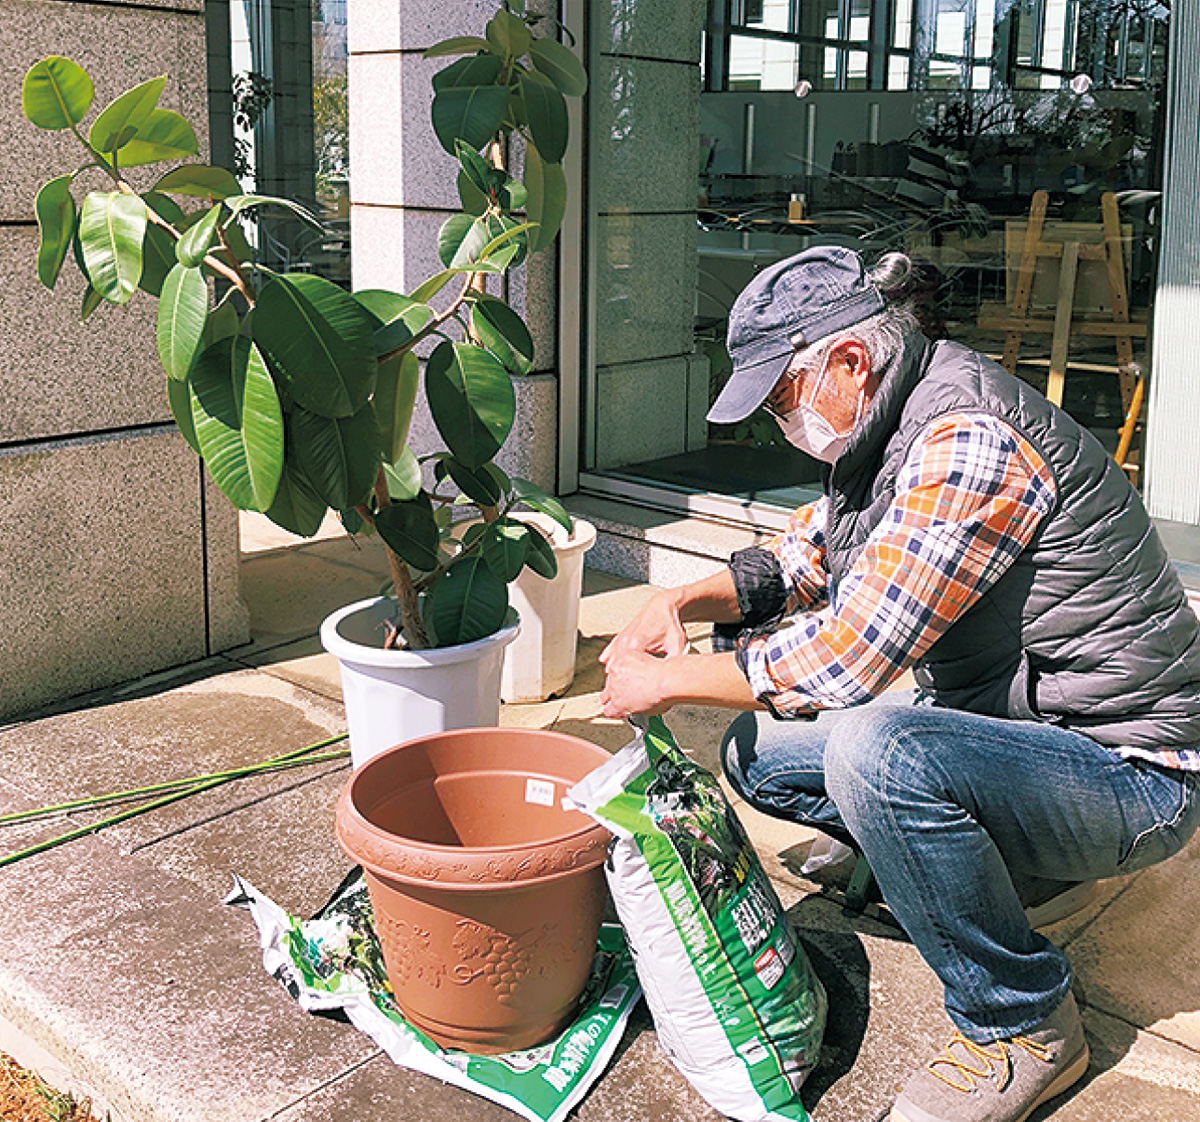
point(1004, 1081)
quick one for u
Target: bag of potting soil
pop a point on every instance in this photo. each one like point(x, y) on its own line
point(736, 1004)
point(333, 961)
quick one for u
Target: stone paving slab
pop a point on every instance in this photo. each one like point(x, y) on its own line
point(154, 991)
point(1139, 958)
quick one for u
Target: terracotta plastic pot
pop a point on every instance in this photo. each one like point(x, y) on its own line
point(392, 696)
point(487, 894)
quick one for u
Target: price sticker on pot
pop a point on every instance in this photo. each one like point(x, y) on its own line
point(540, 791)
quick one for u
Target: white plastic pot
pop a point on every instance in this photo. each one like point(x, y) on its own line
point(541, 661)
point(395, 696)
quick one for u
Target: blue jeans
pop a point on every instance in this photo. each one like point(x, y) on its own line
point(961, 818)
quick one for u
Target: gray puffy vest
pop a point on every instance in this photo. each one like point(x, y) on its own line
point(1090, 628)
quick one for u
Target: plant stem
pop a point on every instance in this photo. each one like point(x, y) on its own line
point(406, 594)
point(434, 324)
point(231, 274)
point(175, 784)
point(83, 831)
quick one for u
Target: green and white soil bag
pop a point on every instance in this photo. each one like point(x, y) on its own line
point(333, 961)
point(736, 1004)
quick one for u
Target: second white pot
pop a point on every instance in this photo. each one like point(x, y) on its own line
point(541, 661)
point(395, 696)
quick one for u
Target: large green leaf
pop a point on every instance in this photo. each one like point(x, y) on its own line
point(91, 301)
point(111, 229)
point(476, 168)
point(541, 557)
point(191, 249)
point(504, 547)
point(468, 104)
point(164, 135)
point(395, 396)
point(382, 304)
point(409, 530)
point(502, 331)
point(297, 506)
point(535, 497)
point(56, 93)
point(166, 207)
point(182, 312)
point(179, 397)
point(158, 259)
point(547, 112)
point(403, 476)
point(470, 602)
point(508, 34)
point(199, 181)
point(222, 323)
point(474, 201)
point(466, 241)
point(559, 64)
point(119, 121)
point(339, 455)
point(475, 483)
point(239, 424)
point(547, 202)
point(55, 208)
point(460, 45)
point(472, 114)
point(472, 401)
point(512, 195)
point(461, 237)
point(158, 249)
point(322, 341)
point(400, 319)
point(482, 70)
point(235, 240)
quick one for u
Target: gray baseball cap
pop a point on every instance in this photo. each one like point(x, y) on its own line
point(789, 306)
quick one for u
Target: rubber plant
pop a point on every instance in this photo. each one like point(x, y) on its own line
point(297, 394)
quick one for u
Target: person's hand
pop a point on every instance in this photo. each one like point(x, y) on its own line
point(633, 684)
point(656, 629)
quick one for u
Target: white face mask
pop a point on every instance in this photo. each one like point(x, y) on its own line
point(811, 432)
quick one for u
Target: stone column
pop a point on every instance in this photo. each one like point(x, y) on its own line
point(1173, 409)
point(402, 189)
point(117, 558)
point(651, 391)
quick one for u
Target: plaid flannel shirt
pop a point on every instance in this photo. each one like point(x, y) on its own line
point(968, 500)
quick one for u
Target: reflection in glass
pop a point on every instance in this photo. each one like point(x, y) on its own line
point(929, 131)
point(291, 128)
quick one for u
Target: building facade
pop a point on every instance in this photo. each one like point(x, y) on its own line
point(715, 138)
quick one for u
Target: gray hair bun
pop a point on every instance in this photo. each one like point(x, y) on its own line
point(913, 284)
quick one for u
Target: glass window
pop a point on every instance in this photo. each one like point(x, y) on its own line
point(291, 128)
point(762, 64)
point(929, 131)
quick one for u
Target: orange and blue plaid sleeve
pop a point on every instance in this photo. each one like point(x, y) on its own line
point(800, 551)
point(968, 500)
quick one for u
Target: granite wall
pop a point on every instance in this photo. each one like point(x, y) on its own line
point(117, 559)
point(402, 189)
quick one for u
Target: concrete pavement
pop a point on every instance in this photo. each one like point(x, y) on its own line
point(124, 976)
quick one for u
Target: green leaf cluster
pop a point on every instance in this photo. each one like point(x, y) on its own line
point(510, 82)
point(298, 395)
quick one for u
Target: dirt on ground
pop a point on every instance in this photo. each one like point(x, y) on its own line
point(25, 1098)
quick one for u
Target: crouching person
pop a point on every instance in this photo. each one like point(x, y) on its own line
point(971, 531)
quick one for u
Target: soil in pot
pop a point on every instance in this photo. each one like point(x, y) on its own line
point(487, 894)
